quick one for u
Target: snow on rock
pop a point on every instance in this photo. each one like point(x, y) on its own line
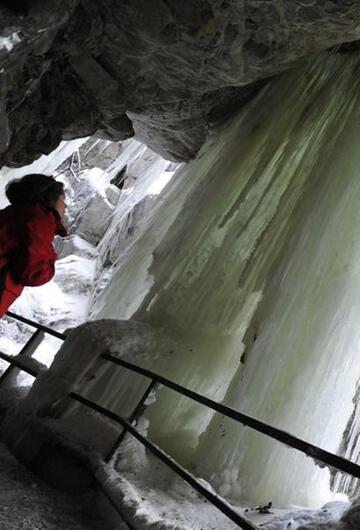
point(75, 274)
point(9, 41)
point(64, 300)
point(76, 245)
point(59, 304)
point(133, 150)
point(91, 202)
point(328, 517)
point(52, 387)
point(75, 360)
point(127, 231)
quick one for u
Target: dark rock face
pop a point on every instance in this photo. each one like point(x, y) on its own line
point(164, 70)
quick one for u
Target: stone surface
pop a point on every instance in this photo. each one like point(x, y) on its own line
point(92, 205)
point(166, 70)
point(28, 503)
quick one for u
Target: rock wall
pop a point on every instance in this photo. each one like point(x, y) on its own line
point(166, 71)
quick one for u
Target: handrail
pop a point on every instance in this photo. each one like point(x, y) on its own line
point(33, 324)
point(136, 413)
point(34, 372)
point(289, 440)
point(27, 351)
point(12, 360)
point(217, 501)
point(328, 458)
point(335, 461)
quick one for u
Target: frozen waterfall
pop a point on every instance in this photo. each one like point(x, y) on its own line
point(252, 253)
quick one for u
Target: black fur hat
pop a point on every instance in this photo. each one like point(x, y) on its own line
point(34, 188)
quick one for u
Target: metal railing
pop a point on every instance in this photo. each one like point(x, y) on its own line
point(318, 454)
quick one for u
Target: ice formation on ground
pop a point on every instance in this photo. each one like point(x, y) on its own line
point(151, 496)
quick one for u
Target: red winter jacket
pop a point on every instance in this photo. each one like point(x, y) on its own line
point(27, 256)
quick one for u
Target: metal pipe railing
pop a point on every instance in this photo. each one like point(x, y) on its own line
point(33, 324)
point(220, 504)
point(137, 412)
point(330, 459)
point(13, 361)
point(27, 351)
point(291, 441)
point(33, 372)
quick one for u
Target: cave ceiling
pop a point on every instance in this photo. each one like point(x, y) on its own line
point(166, 71)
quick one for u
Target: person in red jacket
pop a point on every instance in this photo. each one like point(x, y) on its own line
point(27, 229)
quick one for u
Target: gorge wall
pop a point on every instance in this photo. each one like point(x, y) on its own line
point(165, 71)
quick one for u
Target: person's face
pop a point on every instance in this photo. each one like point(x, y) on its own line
point(60, 205)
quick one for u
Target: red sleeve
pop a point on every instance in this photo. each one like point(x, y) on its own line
point(34, 262)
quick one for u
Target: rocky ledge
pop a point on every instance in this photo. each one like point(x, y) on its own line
point(166, 71)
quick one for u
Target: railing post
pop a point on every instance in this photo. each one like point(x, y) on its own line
point(27, 350)
point(137, 412)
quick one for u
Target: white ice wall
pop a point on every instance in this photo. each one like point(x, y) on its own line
point(205, 270)
point(301, 371)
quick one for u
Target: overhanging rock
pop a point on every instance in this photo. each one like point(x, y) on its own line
point(166, 71)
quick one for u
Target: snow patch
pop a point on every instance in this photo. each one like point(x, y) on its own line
point(10, 41)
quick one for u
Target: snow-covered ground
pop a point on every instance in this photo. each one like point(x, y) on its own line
point(151, 496)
